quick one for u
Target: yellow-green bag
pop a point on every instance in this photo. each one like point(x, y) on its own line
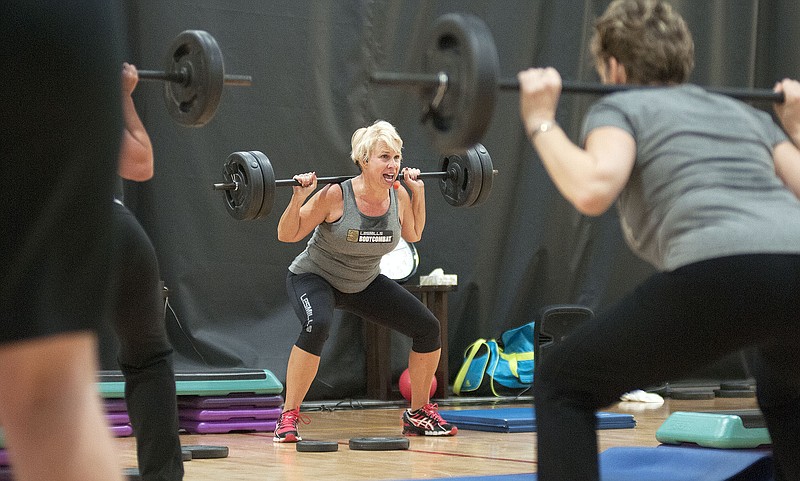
point(504, 368)
point(473, 369)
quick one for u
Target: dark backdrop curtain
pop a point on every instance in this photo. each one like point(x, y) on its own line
point(310, 61)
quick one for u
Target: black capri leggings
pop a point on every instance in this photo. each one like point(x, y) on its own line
point(383, 302)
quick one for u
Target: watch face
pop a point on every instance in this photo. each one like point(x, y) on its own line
point(401, 263)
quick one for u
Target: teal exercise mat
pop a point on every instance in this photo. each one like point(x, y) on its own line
point(520, 420)
point(111, 384)
point(231, 401)
point(667, 463)
point(715, 429)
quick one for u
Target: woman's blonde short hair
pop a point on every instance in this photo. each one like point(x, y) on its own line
point(648, 37)
point(365, 139)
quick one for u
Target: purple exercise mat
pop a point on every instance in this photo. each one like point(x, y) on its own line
point(221, 427)
point(121, 430)
point(271, 414)
point(115, 405)
point(117, 418)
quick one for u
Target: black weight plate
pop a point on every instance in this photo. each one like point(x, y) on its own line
point(245, 202)
point(451, 186)
point(462, 46)
point(378, 444)
point(194, 102)
point(736, 385)
point(463, 186)
point(203, 451)
point(691, 394)
point(317, 446)
point(186, 455)
point(487, 169)
point(268, 198)
point(732, 393)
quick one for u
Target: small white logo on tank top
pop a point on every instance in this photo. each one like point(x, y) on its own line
point(370, 236)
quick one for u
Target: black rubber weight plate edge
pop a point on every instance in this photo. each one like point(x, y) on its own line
point(317, 446)
point(202, 451)
point(378, 444)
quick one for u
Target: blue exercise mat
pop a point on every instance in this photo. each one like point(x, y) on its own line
point(677, 463)
point(490, 477)
point(667, 463)
point(521, 420)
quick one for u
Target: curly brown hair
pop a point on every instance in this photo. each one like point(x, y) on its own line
point(648, 37)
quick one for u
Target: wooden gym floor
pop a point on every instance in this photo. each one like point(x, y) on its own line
point(254, 457)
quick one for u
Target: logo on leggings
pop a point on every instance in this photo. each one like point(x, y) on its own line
point(309, 311)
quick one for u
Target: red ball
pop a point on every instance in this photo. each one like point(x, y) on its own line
point(396, 184)
point(405, 385)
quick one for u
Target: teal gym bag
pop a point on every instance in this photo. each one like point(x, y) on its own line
point(499, 368)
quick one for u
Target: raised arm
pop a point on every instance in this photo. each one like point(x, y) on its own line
point(301, 217)
point(412, 206)
point(590, 179)
point(136, 151)
point(786, 154)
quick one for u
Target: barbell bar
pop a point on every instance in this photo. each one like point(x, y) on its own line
point(460, 78)
point(751, 95)
point(184, 77)
point(327, 180)
point(465, 180)
point(438, 79)
point(193, 76)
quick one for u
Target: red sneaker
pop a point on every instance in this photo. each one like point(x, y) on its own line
point(426, 421)
point(286, 428)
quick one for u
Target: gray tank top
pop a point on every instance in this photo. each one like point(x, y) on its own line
point(703, 185)
point(347, 253)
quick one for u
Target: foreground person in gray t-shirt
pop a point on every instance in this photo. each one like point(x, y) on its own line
point(707, 191)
